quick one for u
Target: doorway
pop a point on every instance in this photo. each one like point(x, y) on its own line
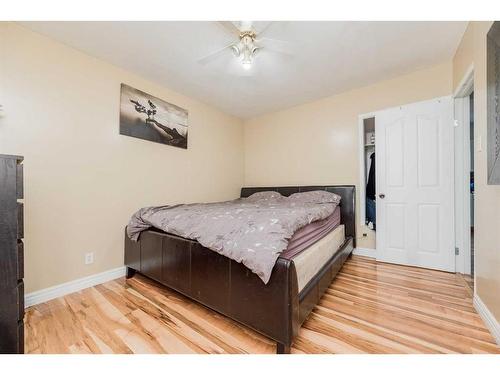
point(470, 279)
point(367, 189)
point(369, 165)
point(464, 178)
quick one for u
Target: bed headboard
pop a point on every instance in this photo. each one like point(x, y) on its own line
point(347, 204)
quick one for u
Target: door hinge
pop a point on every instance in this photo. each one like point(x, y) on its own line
point(457, 251)
point(455, 123)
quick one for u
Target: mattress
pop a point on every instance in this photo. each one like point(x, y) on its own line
point(310, 234)
point(310, 261)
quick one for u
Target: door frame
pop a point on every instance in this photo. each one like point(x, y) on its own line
point(462, 172)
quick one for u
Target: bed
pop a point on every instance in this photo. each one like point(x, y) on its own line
point(276, 309)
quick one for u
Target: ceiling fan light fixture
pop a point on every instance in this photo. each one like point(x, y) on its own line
point(236, 50)
point(247, 58)
point(247, 65)
point(247, 45)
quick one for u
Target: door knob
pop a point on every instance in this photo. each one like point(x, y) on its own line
point(381, 196)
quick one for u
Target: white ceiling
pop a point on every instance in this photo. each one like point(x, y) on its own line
point(328, 57)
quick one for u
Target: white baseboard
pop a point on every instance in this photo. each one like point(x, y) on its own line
point(60, 290)
point(488, 318)
point(371, 253)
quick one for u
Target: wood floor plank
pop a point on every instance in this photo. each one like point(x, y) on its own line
point(414, 304)
point(457, 305)
point(424, 315)
point(415, 344)
point(371, 307)
point(407, 324)
point(466, 303)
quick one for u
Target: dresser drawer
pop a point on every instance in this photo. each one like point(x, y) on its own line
point(19, 182)
point(20, 337)
point(20, 299)
point(20, 259)
point(11, 255)
point(20, 220)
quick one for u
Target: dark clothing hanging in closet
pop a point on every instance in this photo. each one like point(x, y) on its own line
point(370, 186)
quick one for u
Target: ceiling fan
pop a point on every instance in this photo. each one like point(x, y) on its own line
point(248, 42)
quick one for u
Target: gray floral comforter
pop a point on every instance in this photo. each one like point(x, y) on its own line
point(251, 232)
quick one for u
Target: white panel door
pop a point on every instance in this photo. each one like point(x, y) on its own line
point(414, 183)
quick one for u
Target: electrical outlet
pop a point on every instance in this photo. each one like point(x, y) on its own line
point(89, 258)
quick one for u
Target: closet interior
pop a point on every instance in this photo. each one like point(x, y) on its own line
point(369, 164)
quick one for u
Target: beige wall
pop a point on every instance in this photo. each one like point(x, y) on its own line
point(462, 61)
point(317, 143)
point(82, 179)
point(472, 50)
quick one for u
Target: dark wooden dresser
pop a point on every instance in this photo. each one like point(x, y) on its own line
point(11, 255)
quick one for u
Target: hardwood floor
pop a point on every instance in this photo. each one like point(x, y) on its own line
point(370, 307)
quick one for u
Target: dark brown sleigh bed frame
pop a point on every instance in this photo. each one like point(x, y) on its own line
point(277, 309)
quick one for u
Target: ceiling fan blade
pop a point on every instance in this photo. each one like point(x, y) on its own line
point(229, 27)
point(245, 25)
point(272, 25)
point(265, 29)
point(214, 55)
point(276, 45)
